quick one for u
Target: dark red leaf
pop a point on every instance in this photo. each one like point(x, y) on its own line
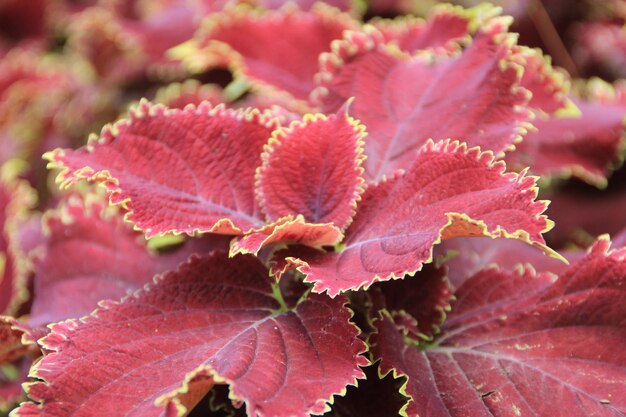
point(446, 29)
point(418, 305)
point(519, 343)
point(472, 96)
point(89, 254)
point(466, 256)
point(584, 144)
point(215, 319)
point(448, 192)
point(275, 48)
point(289, 229)
point(16, 199)
point(181, 171)
point(313, 168)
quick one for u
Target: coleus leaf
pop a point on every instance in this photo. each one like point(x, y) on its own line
point(446, 29)
point(519, 343)
point(465, 257)
point(11, 346)
point(181, 171)
point(278, 48)
point(584, 144)
point(16, 199)
point(403, 100)
point(215, 317)
point(179, 95)
point(583, 214)
point(418, 305)
point(89, 254)
point(313, 168)
point(549, 86)
point(343, 5)
point(449, 191)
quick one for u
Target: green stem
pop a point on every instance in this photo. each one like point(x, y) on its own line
point(278, 295)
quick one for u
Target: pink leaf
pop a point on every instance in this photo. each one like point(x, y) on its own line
point(16, 199)
point(313, 168)
point(448, 192)
point(89, 254)
point(419, 304)
point(277, 48)
point(215, 318)
point(473, 96)
point(287, 230)
point(181, 171)
point(522, 344)
point(583, 145)
point(445, 30)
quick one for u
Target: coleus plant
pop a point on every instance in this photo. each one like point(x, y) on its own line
point(348, 232)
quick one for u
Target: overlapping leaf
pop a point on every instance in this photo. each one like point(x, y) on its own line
point(418, 305)
point(584, 144)
point(16, 198)
point(214, 319)
point(181, 171)
point(276, 48)
point(313, 170)
point(473, 96)
point(446, 29)
point(89, 254)
point(448, 192)
point(520, 343)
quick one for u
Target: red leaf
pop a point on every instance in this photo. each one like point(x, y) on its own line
point(403, 101)
point(214, 317)
point(287, 230)
point(584, 145)
point(276, 48)
point(89, 254)
point(548, 85)
point(445, 30)
point(419, 304)
point(448, 192)
point(313, 168)
point(11, 346)
point(16, 199)
point(177, 171)
point(343, 5)
point(466, 256)
point(518, 344)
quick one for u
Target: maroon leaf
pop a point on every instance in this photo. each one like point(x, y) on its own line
point(585, 215)
point(585, 145)
point(548, 85)
point(89, 254)
point(215, 318)
point(287, 230)
point(448, 192)
point(466, 256)
point(11, 346)
point(522, 344)
point(473, 96)
point(181, 171)
point(313, 168)
point(419, 304)
point(446, 29)
point(16, 199)
point(275, 48)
